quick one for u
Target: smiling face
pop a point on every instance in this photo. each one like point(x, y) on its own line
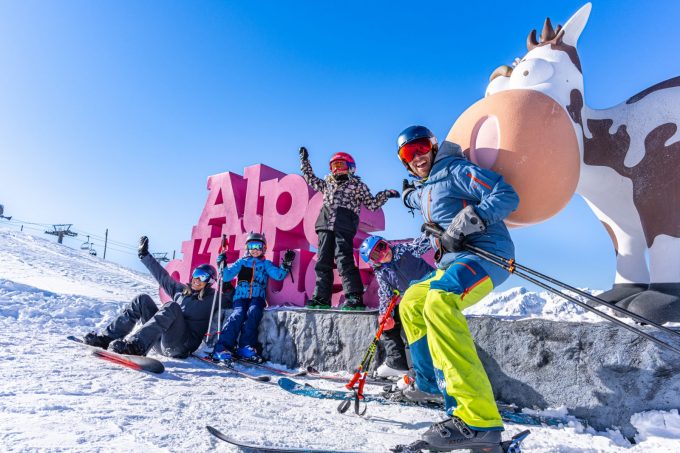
point(422, 164)
point(197, 284)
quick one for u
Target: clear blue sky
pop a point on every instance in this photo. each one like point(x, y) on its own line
point(114, 113)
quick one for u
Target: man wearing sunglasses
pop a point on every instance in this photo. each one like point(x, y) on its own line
point(343, 195)
point(176, 329)
point(469, 203)
point(394, 267)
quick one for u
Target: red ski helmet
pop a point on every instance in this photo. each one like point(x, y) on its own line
point(343, 157)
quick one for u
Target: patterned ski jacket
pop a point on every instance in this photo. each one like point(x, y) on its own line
point(405, 267)
point(342, 200)
point(453, 183)
point(252, 274)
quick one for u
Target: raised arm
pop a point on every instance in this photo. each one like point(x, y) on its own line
point(316, 183)
point(275, 272)
point(169, 284)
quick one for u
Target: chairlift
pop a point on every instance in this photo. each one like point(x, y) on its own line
point(91, 250)
point(87, 245)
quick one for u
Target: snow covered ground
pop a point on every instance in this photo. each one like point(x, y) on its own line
point(56, 397)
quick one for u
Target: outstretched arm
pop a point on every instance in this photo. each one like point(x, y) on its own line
point(233, 270)
point(375, 203)
point(316, 183)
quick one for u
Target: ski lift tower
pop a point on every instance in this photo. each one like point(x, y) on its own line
point(2, 212)
point(61, 230)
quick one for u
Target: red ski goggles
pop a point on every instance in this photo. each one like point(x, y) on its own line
point(339, 166)
point(379, 252)
point(418, 147)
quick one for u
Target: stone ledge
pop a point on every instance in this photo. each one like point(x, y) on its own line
point(601, 373)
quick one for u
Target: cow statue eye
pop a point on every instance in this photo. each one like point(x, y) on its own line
point(531, 72)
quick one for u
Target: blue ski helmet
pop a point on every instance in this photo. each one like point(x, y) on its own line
point(205, 273)
point(367, 247)
point(412, 133)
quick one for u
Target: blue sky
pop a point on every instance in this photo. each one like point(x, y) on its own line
point(113, 114)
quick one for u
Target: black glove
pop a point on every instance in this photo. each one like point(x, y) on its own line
point(304, 155)
point(143, 249)
point(221, 259)
point(465, 223)
point(392, 193)
point(288, 258)
point(447, 243)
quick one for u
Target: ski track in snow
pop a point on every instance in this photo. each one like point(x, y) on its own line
point(55, 396)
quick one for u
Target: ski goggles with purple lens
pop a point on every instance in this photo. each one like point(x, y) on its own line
point(201, 275)
point(254, 245)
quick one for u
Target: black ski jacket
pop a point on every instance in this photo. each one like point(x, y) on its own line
point(196, 312)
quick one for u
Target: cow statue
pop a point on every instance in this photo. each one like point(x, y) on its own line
point(534, 128)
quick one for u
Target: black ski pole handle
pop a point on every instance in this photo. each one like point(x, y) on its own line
point(432, 229)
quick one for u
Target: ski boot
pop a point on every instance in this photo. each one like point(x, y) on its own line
point(127, 347)
point(475, 443)
point(97, 340)
point(249, 354)
point(385, 371)
point(317, 303)
point(405, 390)
point(353, 301)
point(225, 355)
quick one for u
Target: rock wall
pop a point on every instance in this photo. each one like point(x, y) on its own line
point(601, 373)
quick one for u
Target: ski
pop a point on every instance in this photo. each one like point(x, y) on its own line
point(508, 446)
point(314, 373)
point(232, 369)
point(248, 447)
point(138, 363)
point(509, 413)
point(329, 310)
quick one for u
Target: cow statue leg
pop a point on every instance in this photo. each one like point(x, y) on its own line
point(661, 302)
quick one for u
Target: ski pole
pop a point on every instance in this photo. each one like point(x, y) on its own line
point(511, 263)
point(218, 293)
point(223, 247)
point(512, 267)
point(361, 371)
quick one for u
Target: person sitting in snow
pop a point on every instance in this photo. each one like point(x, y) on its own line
point(177, 328)
point(336, 226)
point(252, 272)
point(468, 203)
point(394, 267)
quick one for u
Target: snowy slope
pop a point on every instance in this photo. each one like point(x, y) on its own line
point(55, 397)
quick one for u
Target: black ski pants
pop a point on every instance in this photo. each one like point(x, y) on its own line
point(162, 328)
point(395, 349)
point(336, 246)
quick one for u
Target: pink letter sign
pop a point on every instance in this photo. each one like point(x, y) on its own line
point(285, 209)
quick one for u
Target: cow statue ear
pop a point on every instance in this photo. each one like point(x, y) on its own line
point(575, 25)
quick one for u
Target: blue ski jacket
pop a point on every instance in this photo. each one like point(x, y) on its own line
point(453, 183)
point(252, 274)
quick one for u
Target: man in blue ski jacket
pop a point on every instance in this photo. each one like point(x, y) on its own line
point(469, 204)
point(252, 272)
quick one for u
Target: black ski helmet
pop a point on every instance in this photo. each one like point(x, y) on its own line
point(412, 133)
point(259, 237)
point(210, 270)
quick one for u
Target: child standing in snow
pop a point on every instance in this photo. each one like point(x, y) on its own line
point(252, 272)
point(336, 226)
point(394, 267)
